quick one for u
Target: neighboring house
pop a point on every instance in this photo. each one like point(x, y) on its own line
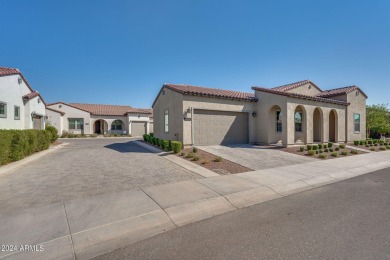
point(20, 106)
point(80, 118)
point(297, 113)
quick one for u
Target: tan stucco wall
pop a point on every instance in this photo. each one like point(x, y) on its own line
point(307, 89)
point(358, 106)
point(172, 101)
point(71, 112)
point(265, 124)
point(196, 102)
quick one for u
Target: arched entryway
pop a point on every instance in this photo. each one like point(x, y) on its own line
point(275, 127)
point(100, 127)
point(300, 125)
point(333, 126)
point(317, 125)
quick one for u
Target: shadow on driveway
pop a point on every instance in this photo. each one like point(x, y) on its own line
point(128, 147)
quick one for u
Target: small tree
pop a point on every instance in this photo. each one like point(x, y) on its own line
point(378, 119)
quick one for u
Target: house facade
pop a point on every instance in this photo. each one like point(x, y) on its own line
point(292, 114)
point(20, 106)
point(78, 118)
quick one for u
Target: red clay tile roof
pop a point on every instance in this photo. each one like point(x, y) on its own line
point(104, 110)
point(31, 95)
point(210, 92)
point(295, 85)
point(294, 95)
point(340, 91)
point(51, 109)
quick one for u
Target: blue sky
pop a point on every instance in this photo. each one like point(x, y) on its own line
point(121, 52)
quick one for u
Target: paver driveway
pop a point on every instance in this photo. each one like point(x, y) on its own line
point(255, 157)
point(86, 167)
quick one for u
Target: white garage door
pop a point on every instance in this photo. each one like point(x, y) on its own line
point(138, 128)
point(220, 127)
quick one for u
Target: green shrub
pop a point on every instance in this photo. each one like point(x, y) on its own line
point(145, 136)
point(375, 141)
point(64, 134)
point(372, 149)
point(315, 147)
point(218, 159)
point(190, 155)
point(367, 145)
point(157, 140)
point(331, 150)
point(17, 144)
point(301, 149)
point(386, 144)
point(330, 145)
point(326, 150)
point(321, 151)
point(317, 152)
point(169, 145)
point(342, 146)
point(194, 149)
point(388, 147)
point(354, 152)
point(322, 156)
point(176, 146)
point(370, 142)
point(334, 154)
point(161, 143)
point(361, 142)
point(382, 148)
point(345, 153)
point(151, 135)
point(53, 131)
point(196, 158)
point(337, 148)
point(93, 135)
point(381, 144)
point(165, 145)
point(311, 152)
point(182, 154)
point(376, 144)
point(309, 147)
point(320, 146)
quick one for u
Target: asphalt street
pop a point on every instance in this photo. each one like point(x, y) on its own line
point(345, 220)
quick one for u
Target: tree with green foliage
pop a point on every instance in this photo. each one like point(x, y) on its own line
point(378, 119)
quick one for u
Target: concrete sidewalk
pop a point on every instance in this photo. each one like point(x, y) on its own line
point(88, 227)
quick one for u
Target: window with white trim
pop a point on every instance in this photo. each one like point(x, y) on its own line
point(3, 110)
point(166, 120)
point(76, 123)
point(116, 125)
point(356, 121)
point(17, 113)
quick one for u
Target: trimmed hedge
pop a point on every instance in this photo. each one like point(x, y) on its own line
point(176, 146)
point(17, 144)
point(53, 131)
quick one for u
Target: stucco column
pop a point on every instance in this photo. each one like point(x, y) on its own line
point(325, 125)
point(147, 127)
point(130, 127)
point(308, 125)
point(289, 129)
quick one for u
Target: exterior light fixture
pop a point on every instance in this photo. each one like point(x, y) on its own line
point(254, 114)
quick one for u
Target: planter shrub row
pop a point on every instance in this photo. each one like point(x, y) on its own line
point(167, 145)
point(17, 144)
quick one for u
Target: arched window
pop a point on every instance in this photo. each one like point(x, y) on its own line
point(116, 125)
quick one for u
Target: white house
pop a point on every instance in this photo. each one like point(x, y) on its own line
point(80, 118)
point(20, 106)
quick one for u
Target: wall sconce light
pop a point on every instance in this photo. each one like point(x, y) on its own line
point(189, 110)
point(254, 114)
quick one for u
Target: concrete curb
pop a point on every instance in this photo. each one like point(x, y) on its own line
point(14, 165)
point(179, 161)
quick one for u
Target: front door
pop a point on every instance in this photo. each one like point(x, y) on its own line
point(97, 127)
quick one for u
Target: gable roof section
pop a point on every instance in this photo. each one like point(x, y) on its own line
point(294, 85)
point(294, 95)
point(340, 91)
point(57, 111)
point(4, 71)
point(207, 92)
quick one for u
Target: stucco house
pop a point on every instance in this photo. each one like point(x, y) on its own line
point(79, 118)
point(292, 114)
point(21, 107)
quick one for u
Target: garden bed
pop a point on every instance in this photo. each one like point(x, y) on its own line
point(212, 162)
point(323, 151)
point(372, 145)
